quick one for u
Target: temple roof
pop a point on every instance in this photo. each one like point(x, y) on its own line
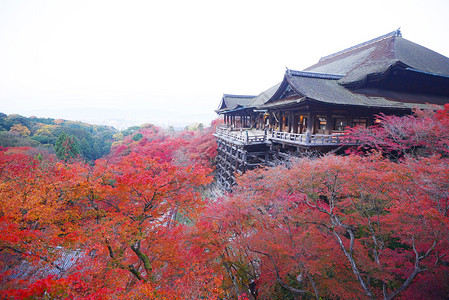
point(388, 71)
point(317, 87)
point(231, 102)
point(379, 54)
point(264, 96)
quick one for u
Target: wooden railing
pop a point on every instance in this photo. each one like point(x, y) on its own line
point(232, 128)
point(223, 126)
point(259, 136)
point(310, 139)
point(243, 136)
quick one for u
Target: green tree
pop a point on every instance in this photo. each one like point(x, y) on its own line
point(137, 137)
point(44, 139)
point(4, 122)
point(130, 130)
point(86, 149)
point(18, 119)
point(96, 151)
point(67, 147)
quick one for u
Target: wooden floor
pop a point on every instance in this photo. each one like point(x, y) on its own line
point(254, 136)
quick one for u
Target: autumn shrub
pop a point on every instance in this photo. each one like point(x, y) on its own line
point(125, 216)
point(341, 227)
point(423, 133)
point(344, 227)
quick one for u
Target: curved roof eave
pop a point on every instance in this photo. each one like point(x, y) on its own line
point(362, 81)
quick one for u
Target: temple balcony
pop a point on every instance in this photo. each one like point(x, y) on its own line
point(248, 136)
point(307, 139)
point(242, 136)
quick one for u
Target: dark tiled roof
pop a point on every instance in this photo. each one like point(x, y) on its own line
point(420, 58)
point(341, 78)
point(377, 55)
point(264, 96)
point(326, 90)
point(330, 91)
point(427, 73)
point(382, 37)
point(313, 74)
point(230, 102)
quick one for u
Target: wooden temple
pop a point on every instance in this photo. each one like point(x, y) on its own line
point(310, 109)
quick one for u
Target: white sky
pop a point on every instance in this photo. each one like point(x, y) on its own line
point(169, 62)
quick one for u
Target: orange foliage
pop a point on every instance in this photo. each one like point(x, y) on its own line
point(20, 129)
point(135, 225)
point(114, 229)
point(340, 227)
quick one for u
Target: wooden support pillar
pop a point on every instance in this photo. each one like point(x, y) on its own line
point(244, 162)
point(275, 121)
point(290, 122)
point(295, 123)
point(310, 120)
point(281, 121)
point(329, 123)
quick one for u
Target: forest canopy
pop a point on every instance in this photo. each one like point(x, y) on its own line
point(92, 141)
point(145, 220)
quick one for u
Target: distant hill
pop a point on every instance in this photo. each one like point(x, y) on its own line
point(94, 140)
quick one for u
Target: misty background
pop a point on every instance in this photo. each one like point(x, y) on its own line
point(125, 63)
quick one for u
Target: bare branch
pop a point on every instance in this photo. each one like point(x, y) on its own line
point(351, 260)
point(416, 270)
point(278, 277)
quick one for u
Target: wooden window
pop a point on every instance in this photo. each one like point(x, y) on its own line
point(320, 125)
point(340, 124)
point(322, 122)
point(360, 122)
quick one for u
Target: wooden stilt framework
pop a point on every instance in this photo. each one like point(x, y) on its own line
point(236, 157)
